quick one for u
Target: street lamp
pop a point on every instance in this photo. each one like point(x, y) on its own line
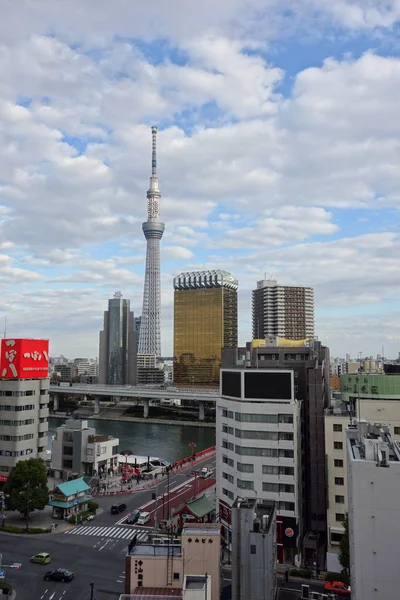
point(192, 446)
point(27, 506)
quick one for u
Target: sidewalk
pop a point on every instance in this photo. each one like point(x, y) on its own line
point(38, 519)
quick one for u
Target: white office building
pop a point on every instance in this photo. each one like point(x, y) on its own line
point(259, 449)
point(24, 412)
point(374, 512)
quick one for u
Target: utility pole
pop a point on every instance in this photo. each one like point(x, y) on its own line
point(92, 591)
point(27, 505)
point(168, 495)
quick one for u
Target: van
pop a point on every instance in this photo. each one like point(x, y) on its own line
point(144, 518)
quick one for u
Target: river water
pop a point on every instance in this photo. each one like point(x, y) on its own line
point(170, 442)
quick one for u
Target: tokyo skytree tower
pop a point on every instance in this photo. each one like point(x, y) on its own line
point(153, 229)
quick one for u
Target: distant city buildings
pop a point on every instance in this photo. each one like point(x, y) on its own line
point(78, 450)
point(138, 321)
point(310, 365)
point(24, 402)
point(149, 370)
point(259, 450)
point(205, 321)
point(117, 353)
point(286, 311)
point(374, 512)
point(253, 550)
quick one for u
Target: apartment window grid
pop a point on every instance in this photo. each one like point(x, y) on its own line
point(338, 445)
point(338, 462)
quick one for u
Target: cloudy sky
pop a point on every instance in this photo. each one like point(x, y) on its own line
point(279, 153)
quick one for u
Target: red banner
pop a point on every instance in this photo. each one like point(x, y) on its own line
point(24, 359)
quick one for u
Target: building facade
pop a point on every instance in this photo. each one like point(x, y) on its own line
point(117, 354)
point(310, 365)
point(253, 550)
point(163, 562)
point(374, 512)
point(77, 449)
point(258, 450)
point(153, 229)
point(205, 321)
point(285, 311)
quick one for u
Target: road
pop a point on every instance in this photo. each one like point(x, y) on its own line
point(292, 589)
point(94, 552)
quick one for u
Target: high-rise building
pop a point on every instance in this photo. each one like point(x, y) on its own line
point(205, 321)
point(258, 448)
point(138, 321)
point(24, 402)
point(253, 549)
point(373, 464)
point(153, 229)
point(117, 354)
point(286, 311)
point(310, 365)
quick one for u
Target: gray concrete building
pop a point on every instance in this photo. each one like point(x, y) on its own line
point(373, 464)
point(77, 449)
point(24, 412)
point(253, 550)
point(310, 364)
point(118, 344)
point(286, 311)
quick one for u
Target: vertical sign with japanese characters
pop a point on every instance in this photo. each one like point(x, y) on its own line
point(24, 359)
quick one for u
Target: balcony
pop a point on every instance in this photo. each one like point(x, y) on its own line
point(44, 413)
point(43, 427)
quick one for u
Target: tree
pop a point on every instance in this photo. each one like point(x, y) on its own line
point(26, 486)
point(344, 554)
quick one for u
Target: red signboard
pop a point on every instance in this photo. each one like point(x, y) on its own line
point(3, 478)
point(225, 512)
point(24, 359)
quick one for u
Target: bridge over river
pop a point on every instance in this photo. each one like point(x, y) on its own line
point(132, 392)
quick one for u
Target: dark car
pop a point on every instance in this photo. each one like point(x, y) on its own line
point(133, 517)
point(59, 575)
point(117, 508)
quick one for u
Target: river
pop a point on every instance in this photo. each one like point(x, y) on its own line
point(170, 442)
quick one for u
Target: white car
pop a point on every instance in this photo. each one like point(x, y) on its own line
point(90, 518)
point(206, 472)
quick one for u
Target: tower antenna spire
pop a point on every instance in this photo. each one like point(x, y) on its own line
point(154, 151)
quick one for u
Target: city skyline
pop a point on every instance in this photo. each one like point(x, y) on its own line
point(265, 131)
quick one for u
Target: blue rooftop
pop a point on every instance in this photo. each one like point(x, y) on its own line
point(70, 488)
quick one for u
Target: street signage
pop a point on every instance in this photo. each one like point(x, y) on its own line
point(2, 574)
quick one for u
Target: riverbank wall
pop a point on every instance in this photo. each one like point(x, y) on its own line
point(108, 417)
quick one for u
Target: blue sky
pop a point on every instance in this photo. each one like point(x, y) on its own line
point(278, 153)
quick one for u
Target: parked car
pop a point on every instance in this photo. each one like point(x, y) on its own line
point(117, 508)
point(43, 558)
point(133, 517)
point(59, 575)
point(144, 518)
point(338, 587)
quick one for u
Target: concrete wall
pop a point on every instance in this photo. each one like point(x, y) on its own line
point(374, 527)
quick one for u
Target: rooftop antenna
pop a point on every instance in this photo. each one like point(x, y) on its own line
point(5, 328)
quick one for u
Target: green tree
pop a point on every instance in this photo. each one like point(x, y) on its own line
point(26, 487)
point(344, 554)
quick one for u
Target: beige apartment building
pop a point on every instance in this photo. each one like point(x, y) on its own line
point(364, 397)
point(164, 562)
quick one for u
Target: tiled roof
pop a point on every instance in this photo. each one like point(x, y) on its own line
point(200, 507)
point(70, 488)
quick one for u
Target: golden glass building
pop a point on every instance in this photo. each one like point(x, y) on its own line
point(205, 321)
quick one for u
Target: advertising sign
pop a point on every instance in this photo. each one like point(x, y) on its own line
point(24, 359)
point(225, 512)
point(287, 531)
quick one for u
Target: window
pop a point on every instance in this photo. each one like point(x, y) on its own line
point(285, 506)
point(270, 470)
point(249, 451)
point(226, 429)
point(340, 517)
point(68, 450)
point(397, 431)
point(339, 499)
point(285, 418)
point(286, 453)
point(285, 436)
point(252, 549)
point(227, 461)
point(286, 470)
point(270, 487)
point(227, 445)
point(256, 435)
point(339, 481)
point(230, 414)
point(338, 462)
point(338, 445)
point(250, 418)
point(245, 485)
point(336, 538)
point(224, 413)
point(337, 427)
point(227, 493)
point(176, 576)
point(286, 488)
point(229, 477)
point(245, 467)
point(67, 464)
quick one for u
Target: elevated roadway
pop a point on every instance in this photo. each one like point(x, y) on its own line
point(134, 392)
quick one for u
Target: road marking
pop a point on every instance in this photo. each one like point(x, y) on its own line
point(41, 598)
point(52, 596)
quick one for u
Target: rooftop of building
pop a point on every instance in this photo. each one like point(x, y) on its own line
point(263, 511)
point(339, 408)
point(372, 442)
point(205, 279)
point(205, 528)
point(155, 545)
point(141, 593)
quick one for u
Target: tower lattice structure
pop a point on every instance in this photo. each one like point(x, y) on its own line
point(153, 229)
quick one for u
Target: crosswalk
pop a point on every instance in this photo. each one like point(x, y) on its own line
point(122, 533)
